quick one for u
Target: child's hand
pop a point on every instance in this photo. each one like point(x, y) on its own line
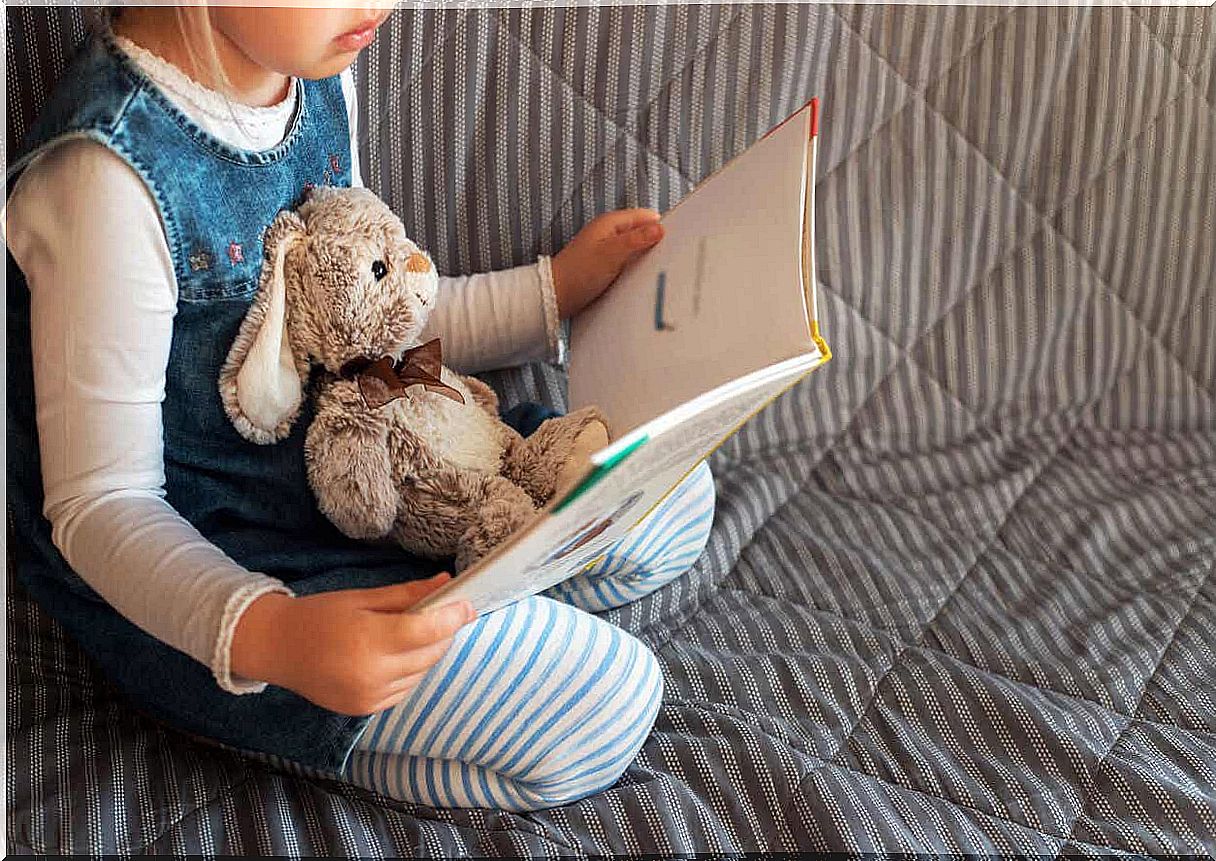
point(596, 255)
point(352, 651)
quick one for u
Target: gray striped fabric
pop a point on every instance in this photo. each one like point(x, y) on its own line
point(959, 596)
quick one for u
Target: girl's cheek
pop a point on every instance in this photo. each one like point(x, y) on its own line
point(293, 41)
point(314, 32)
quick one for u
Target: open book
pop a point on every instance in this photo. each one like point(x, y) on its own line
point(693, 339)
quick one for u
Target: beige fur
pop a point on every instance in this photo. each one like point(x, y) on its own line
point(441, 478)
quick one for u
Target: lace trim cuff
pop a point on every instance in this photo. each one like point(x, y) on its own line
point(555, 332)
point(221, 666)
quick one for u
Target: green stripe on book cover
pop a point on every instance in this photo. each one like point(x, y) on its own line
point(597, 475)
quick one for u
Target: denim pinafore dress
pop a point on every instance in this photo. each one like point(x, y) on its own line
point(252, 501)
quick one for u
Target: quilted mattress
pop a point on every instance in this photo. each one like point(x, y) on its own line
point(960, 592)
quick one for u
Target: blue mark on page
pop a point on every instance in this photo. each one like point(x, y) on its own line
point(659, 296)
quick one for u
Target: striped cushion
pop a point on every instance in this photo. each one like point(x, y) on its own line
point(959, 594)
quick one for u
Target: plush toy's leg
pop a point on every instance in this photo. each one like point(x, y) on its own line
point(555, 453)
point(461, 514)
point(506, 510)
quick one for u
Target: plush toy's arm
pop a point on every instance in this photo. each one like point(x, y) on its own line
point(483, 395)
point(349, 468)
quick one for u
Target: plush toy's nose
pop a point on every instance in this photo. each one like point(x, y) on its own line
point(417, 262)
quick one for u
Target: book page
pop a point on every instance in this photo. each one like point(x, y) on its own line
point(721, 296)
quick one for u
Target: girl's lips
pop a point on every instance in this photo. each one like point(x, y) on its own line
point(360, 37)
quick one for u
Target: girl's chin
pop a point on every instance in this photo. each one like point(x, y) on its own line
point(330, 66)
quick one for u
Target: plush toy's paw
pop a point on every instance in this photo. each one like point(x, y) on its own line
point(582, 417)
point(592, 438)
point(557, 452)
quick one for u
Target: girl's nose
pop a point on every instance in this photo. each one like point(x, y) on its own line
point(417, 262)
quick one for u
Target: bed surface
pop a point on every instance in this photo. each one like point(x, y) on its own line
point(959, 596)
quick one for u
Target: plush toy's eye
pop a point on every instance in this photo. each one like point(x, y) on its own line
point(379, 270)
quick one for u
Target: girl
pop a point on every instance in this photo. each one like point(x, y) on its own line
point(194, 567)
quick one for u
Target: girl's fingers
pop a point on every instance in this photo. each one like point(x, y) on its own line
point(624, 220)
point(414, 630)
point(395, 674)
point(644, 237)
point(406, 671)
point(399, 690)
point(421, 659)
point(404, 684)
point(624, 246)
point(402, 596)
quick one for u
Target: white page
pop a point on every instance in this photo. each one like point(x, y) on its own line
point(730, 266)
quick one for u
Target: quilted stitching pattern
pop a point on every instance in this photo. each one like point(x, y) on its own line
point(959, 595)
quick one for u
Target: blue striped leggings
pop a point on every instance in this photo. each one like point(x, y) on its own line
point(540, 703)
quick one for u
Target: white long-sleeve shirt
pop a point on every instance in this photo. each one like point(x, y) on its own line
point(87, 235)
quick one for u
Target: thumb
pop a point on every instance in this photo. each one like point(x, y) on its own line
point(628, 244)
point(402, 596)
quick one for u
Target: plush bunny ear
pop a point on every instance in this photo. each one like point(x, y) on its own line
point(261, 383)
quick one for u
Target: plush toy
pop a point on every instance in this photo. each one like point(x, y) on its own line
point(400, 446)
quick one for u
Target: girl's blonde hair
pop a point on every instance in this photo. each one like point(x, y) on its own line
point(194, 26)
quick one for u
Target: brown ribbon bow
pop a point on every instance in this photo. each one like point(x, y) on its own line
point(382, 380)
